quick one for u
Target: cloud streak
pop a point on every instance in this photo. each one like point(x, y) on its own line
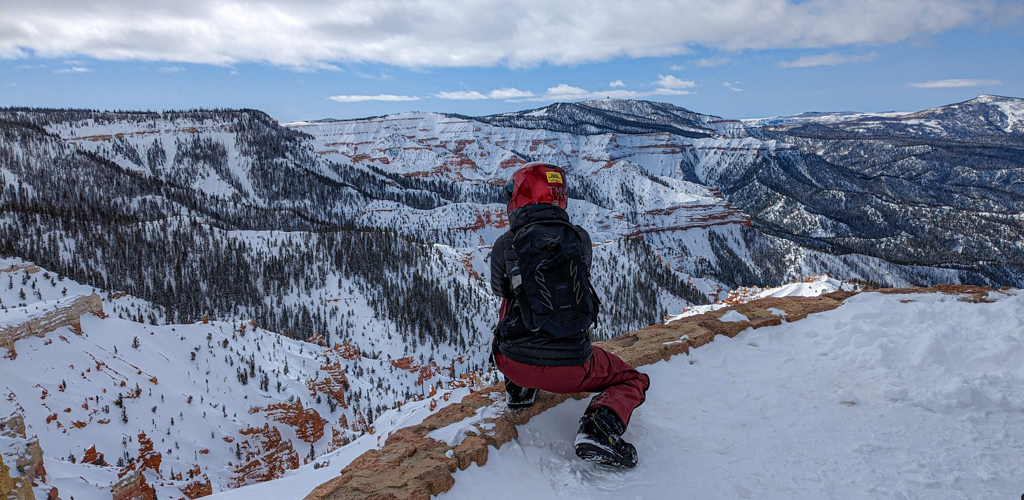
point(667, 85)
point(368, 98)
point(482, 33)
point(830, 59)
point(955, 84)
point(73, 69)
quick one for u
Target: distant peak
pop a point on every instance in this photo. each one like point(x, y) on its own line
point(995, 98)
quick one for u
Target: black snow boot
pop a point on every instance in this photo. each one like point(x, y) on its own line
point(517, 397)
point(599, 439)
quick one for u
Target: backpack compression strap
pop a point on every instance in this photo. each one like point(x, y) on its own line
point(515, 277)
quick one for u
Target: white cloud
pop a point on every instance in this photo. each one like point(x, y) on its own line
point(830, 59)
point(733, 86)
point(565, 91)
point(170, 69)
point(73, 69)
point(616, 84)
point(713, 61)
point(461, 95)
point(666, 92)
point(671, 82)
point(666, 86)
point(437, 33)
point(955, 83)
point(365, 98)
point(509, 93)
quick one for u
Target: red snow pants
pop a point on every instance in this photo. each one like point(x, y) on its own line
point(622, 387)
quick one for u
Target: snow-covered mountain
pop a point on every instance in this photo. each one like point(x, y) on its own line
point(942, 188)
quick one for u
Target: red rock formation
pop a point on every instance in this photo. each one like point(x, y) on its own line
point(333, 382)
point(6, 481)
point(132, 487)
point(307, 422)
point(29, 463)
point(348, 351)
point(265, 456)
point(426, 372)
point(148, 459)
point(400, 363)
point(92, 457)
point(339, 437)
point(198, 488)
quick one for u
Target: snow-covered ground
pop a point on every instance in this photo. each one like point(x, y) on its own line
point(888, 396)
point(810, 287)
point(68, 387)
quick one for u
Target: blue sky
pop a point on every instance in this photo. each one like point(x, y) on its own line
point(309, 59)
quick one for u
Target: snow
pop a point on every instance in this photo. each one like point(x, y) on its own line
point(733, 316)
point(299, 482)
point(811, 287)
point(66, 379)
point(19, 315)
point(1014, 111)
point(889, 396)
point(453, 434)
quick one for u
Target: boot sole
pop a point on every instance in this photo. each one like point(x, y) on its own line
point(592, 452)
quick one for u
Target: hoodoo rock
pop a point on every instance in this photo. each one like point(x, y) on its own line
point(132, 487)
point(265, 456)
point(27, 463)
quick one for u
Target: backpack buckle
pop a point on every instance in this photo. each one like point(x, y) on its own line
point(515, 279)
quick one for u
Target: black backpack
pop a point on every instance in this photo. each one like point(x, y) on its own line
point(550, 280)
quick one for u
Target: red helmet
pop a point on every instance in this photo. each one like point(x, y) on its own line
point(537, 182)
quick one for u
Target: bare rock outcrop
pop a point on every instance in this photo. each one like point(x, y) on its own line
point(132, 486)
point(307, 422)
point(265, 456)
point(6, 481)
point(53, 315)
point(24, 458)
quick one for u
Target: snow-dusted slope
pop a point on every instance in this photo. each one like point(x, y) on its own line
point(191, 401)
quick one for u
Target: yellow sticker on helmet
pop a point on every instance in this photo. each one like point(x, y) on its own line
point(554, 178)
